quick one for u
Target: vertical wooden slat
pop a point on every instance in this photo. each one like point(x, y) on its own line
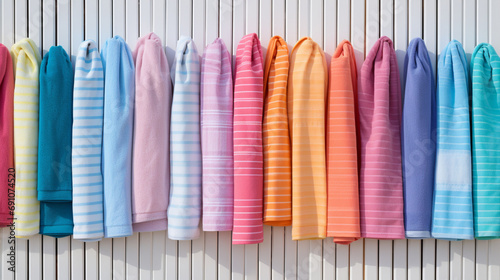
point(186, 20)
point(171, 248)
point(457, 20)
point(430, 32)
point(238, 262)
point(387, 18)
point(91, 260)
point(145, 255)
point(7, 22)
point(371, 259)
point(131, 22)
point(494, 37)
point(265, 255)
point(356, 262)
point(385, 259)
point(91, 21)
point(317, 24)
point(456, 260)
point(278, 18)
point(414, 259)
point(212, 21)
point(482, 254)
point(225, 24)
point(131, 256)
point(35, 21)
point(184, 259)
point(199, 24)
point(225, 254)
point(372, 23)
point(119, 25)
point(278, 253)
point(414, 18)
point(316, 259)
point(494, 259)
point(442, 259)
point(198, 257)
point(77, 259)
point(105, 21)
point(304, 22)
point(290, 254)
point(482, 17)
point(469, 259)
point(8, 255)
point(105, 258)
point(158, 261)
point(428, 259)
point(145, 17)
point(210, 252)
point(342, 266)
point(119, 266)
point(21, 21)
point(329, 257)
point(159, 25)
point(172, 29)
point(291, 27)
point(330, 28)
point(303, 248)
point(400, 269)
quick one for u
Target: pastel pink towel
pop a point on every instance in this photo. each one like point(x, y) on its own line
point(381, 187)
point(150, 164)
point(217, 137)
point(248, 156)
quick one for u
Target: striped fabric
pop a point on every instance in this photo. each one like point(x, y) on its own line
point(381, 189)
point(308, 78)
point(87, 131)
point(217, 137)
point(341, 146)
point(452, 209)
point(27, 66)
point(485, 65)
point(184, 210)
point(276, 140)
point(247, 135)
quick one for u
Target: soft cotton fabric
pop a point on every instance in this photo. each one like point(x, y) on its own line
point(418, 139)
point(119, 94)
point(54, 143)
point(341, 147)
point(485, 65)
point(452, 206)
point(381, 189)
point(276, 140)
point(88, 114)
point(217, 137)
point(307, 88)
point(26, 60)
point(7, 192)
point(184, 210)
point(151, 171)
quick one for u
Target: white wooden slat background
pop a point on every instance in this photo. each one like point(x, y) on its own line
point(153, 255)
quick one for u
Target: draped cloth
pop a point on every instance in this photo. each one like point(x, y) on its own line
point(150, 161)
point(485, 65)
point(379, 99)
point(7, 194)
point(452, 206)
point(276, 140)
point(184, 210)
point(341, 145)
point(217, 137)
point(247, 141)
point(307, 91)
point(88, 109)
point(119, 94)
point(418, 139)
point(26, 60)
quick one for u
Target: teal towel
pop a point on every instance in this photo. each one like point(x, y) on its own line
point(54, 143)
point(485, 65)
point(452, 204)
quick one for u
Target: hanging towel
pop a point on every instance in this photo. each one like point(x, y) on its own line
point(308, 78)
point(418, 139)
point(184, 210)
point(276, 139)
point(7, 175)
point(54, 143)
point(26, 60)
point(119, 94)
point(485, 65)
point(247, 137)
point(217, 137)
point(151, 171)
point(341, 145)
point(88, 93)
point(452, 209)
point(379, 99)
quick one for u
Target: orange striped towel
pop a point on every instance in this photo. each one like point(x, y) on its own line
point(277, 163)
point(342, 154)
point(306, 116)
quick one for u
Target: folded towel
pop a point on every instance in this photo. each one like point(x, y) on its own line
point(184, 210)
point(381, 189)
point(7, 195)
point(276, 139)
point(247, 137)
point(341, 145)
point(151, 171)
point(452, 208)
point(26, 60)
point(485, 65)
point(119, 94)
point(88, 106)
point(418, 139)
point(307, 88)
point(217, 137)
point(54, 143)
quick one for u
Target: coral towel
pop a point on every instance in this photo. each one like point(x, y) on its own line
point(150, 166)
point(247, 135)
point(307, 89)
point(27, 66)
point(276, 140)
point(341, 145)
point(217, 137)
point(381, 186)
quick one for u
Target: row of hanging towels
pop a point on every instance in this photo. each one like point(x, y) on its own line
point(121, 143)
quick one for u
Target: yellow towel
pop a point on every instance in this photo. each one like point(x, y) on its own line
point(307, 85)
point(27, 65)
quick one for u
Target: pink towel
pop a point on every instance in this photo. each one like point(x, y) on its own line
point(381, 187)
point(248, 157)
point(217, 137)
point(150, 164)
point(6, 135)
